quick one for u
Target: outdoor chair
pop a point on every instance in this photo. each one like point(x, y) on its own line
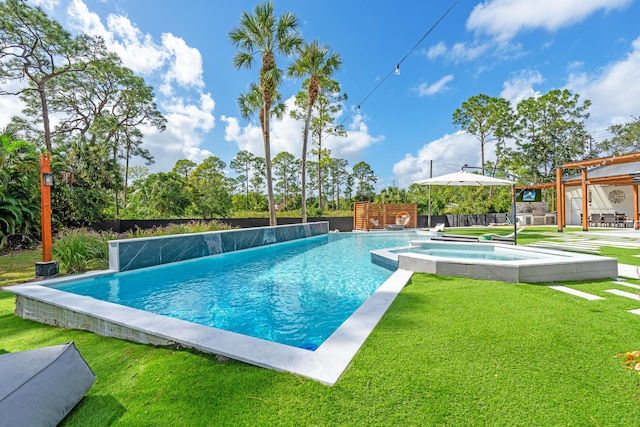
point(403, 218)
point(40, 387)
point(595, 219)
point(609, 219)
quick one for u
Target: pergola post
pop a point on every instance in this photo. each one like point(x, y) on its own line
point(559, 200)
point(585, 201)
point(635, 205)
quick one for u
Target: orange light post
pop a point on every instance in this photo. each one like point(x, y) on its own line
point(45, 206)
point(46, 268)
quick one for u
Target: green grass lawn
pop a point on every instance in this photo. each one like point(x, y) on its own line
point(19, 266)
point(449, 351)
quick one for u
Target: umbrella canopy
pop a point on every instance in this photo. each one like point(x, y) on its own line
point(464, 179)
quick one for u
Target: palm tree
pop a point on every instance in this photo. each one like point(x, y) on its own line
point(319, 63)
point(264, 35)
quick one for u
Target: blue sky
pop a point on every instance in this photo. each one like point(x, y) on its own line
point(509, 48)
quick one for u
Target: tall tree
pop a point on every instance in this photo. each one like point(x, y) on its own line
point(108, 105)
point(625, 138)
point(318, 63)
point(37, 50)
point(363, 179)
point(210, 189)
point(285, 167)
point(264, 35)
point(338, 178)
point(183, 167)
point(243, 163)
point(484, 117)
point(328, 105)
point(551, 131)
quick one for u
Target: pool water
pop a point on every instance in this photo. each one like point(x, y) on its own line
point(296, 293)
point(467, 254)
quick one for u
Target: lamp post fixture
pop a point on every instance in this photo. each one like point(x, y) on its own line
point(47, 267)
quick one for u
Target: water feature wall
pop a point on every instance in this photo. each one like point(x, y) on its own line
point(131, 254)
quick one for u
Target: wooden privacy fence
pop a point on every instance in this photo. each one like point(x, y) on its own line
point(370, 216)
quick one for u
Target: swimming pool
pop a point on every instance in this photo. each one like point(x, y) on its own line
point(42, 302)
point(296, 293)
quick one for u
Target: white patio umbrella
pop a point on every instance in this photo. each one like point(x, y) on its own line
point(463, 178)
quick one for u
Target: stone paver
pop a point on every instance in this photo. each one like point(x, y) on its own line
point(576, 292)
point(623, 294)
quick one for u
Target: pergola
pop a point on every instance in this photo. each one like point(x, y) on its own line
point(631, 179)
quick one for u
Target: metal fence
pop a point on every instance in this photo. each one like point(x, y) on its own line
point(335, 223)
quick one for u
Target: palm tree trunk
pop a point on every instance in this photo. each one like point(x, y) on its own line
point(305, 137)
point(267, 161)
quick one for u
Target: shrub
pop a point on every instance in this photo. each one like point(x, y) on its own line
point(80, 250)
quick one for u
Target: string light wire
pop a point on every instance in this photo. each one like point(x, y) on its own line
point(396, 69)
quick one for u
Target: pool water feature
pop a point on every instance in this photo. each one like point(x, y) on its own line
point(494, 261)
point(296, 293)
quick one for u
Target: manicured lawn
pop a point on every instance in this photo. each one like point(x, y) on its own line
point(19, 266)
point(449, 351)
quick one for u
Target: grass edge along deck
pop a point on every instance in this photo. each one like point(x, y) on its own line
point(325, 364)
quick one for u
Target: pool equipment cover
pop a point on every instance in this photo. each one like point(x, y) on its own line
point(40, 387)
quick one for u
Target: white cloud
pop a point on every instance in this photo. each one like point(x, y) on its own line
point(504, 19)
point(614, 94)
point(286, 135)
point(45, 4)
point(425, 89)
point(10, 105)
point(448, 153)
point(178, 68)
point(186, 125)
point(137, 50)
point(520, 86)
point(460, 52)
point(186, 68)
point(436, 50)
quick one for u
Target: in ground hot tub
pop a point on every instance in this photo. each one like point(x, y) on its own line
point(491, 261)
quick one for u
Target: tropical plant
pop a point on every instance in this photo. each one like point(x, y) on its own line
point(319, 63)
point(81, 250)
point(19, 202)
point(264, 35)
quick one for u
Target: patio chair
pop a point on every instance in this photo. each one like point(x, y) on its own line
point(595, 219)
point(403, 218)
point(609, 219)
point(437, 230)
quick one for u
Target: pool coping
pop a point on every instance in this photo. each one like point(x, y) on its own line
point(326, 364)
point(555, 266)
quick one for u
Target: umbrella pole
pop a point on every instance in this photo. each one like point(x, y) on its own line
point(513, 214)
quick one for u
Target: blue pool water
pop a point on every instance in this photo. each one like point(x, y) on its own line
point(468, 253)
point(296, 293)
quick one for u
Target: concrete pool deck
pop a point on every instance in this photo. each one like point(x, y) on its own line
point(47, 305)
